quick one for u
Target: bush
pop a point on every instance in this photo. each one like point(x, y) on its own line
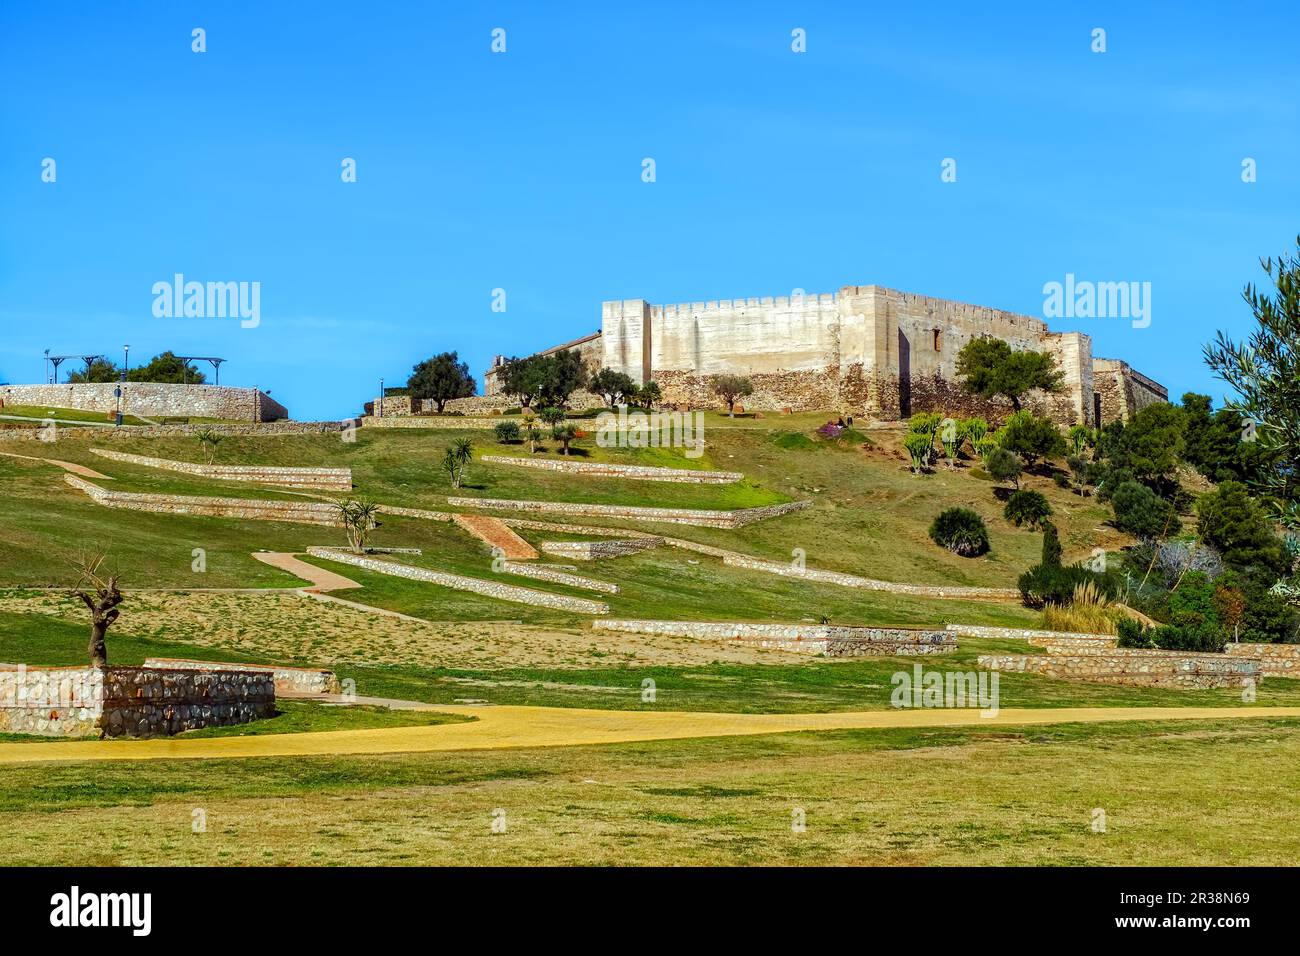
point(961, 531)
point(1031, 436)
point(506, 432)
point(1003, 465)
point(1192, 603)
point(1167, 637)
point(1089, 612)
point(1027, 507)
point(1141, 512)
point(1229, 519)
point(920, 448)
point(1049, 582)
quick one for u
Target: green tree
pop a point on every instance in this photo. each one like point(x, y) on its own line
point(564, 433)
point(1031, 437)
point(989, 368)
point(1264, 372)
point(521, 378)
point(358, 517)
point(614, 387)
point(1230, 520)
point(920, 448)
point(166, 368)
point(1151, 445)
point(1140, 511)
point(649, 394)
point(562, 374)
point(730, 388)
point(440, 379)
point(1214, 445)
point(1003, 465)
point(100, 370)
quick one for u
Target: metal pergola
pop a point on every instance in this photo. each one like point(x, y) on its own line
point(215, 362)
point(57, 360)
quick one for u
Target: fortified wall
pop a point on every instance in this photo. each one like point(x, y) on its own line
point(152, 400)
point(867, 349)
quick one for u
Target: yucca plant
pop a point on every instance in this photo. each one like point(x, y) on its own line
point(357, 515)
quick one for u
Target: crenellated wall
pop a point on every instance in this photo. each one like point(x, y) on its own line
point(864, 349)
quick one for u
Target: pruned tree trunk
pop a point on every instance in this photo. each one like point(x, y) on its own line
point(101, 597)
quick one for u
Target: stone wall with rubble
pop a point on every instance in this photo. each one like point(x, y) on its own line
point(151, 400)
point(299, 512)
point(828, 640)
point(288, 680)
point(324, 479)
point(599, 550)
point(631, 472)
point(129, 701)
point(11, 432)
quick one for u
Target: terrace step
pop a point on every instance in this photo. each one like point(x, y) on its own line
point(496, 534)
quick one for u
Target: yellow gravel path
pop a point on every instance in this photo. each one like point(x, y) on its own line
point(511, 727)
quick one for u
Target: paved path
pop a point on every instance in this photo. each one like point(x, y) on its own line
point(497, 728)
point(496, 534)
point(71, 466)
point(321, 580)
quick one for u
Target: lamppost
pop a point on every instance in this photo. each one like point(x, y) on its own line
point(47, 366)
point(126, 361)
point(381, 398)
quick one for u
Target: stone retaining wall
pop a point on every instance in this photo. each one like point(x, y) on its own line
point(326, 479)
point(1275, 660)
point(459, 582)
point(151, 400)
point(736, 559)
point(543, 572)
point(298, 512)
point(1141, 668)
point(827, 640)
point(597, 550)
point(295, 681)
point(129, 701)
point(1029, 634)
point(692, 516)
point(429, 421)
point(630, 472)
point(99, 433)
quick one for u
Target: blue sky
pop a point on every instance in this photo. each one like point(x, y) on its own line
point(522, 170)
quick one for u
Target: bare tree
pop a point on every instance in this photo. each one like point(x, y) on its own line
point(101, 595)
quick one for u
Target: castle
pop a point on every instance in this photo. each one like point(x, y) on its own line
point(864, 349)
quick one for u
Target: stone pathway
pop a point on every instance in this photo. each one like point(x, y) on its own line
point(496, 534)
point(71, 466)
point(321, 580)
point(496, 728)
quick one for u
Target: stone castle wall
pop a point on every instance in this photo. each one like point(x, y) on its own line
point(152, 400)
point(1120, 392)
point(865, 349)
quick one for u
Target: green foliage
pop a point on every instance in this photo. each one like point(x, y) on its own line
point(920, 449)
point(1151, 444)
point(440, 379)
point(961, 531)
point(522, 378)
point(506, 431)
point(209, 438)
point(559, 374)
point(973, 430)
point(925, 423)
point(1031, 437)
point(795, 441)
point(1231, 521)
point(614, 387)
point(358, 517)
point(990, 369)
point(1203, 639)
point(1140, 511)
point(1027, 508)
point(1080, 437)
point(1265, 374)
point(1003, 465)
point(564, 433)
point(1050, 582)
point(649, 394)
point(101, 370)
point(551, 416)
point(1216, 444)
point(1192, 604)
point(730, 388)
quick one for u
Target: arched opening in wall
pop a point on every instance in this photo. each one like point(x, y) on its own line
point(938, 344)
point(904, 376)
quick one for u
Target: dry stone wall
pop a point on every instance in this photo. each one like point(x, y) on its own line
point(129, 701)
point(459, 582)
point(1029, 634)
point(631, 472)
point(826, 640)
point(1275, 660)
point(152, 400)
point(321, 479)
point(442, 422)
point(1140, 668)
point(299, 512)
point(544, 572)
point(30, 433)
point(692, 516)
point(289, 681)
point(599, 550)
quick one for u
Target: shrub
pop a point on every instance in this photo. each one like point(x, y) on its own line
point(506, 432)
point(1050, 582)
point(1080, 437)
point(1173, 559)
point(1089, 612)
point(1167, 637)
point(1031, 437)
point(974, 431)
point(1027, 507)
point(1229, 519)
point(1003, 465)
point(925, 423)
point(1191, 604)
point(961, 531)
point(1141, 512)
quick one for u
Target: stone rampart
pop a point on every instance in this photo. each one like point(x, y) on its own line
point(151, 400)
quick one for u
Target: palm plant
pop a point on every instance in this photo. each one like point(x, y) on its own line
point(357, 515)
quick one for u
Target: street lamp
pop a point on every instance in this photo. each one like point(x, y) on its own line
point(126, 364)
point(126, 361)
point(381, 398)
point(47, 366)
